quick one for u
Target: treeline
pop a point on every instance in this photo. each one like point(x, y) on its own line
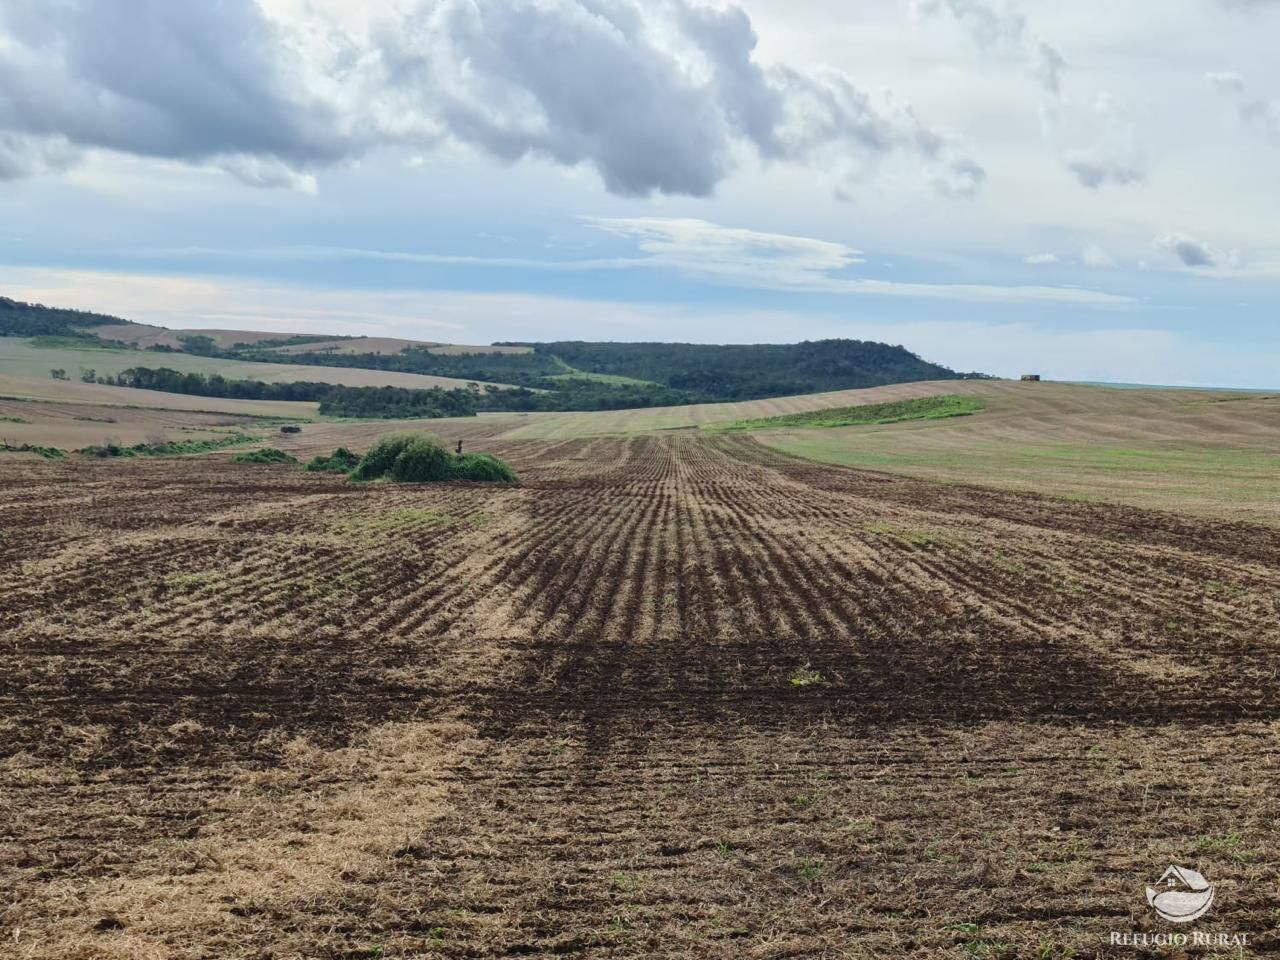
point(335, 400)
point(712, 372)
point(672, 373)
point(203, 345)
point(523, 369)
point(18, 319)
point(400, 402)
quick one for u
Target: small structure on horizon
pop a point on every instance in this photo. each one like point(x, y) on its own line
point(1031, 377)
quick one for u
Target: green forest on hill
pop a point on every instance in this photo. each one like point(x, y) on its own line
point(610, 375)
point(18, 319)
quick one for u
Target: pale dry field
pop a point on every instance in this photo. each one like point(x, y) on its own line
point(394, 345)
point(676, 695)
point(20, 359)
point(71, 426)
point(15, 389)
point(147, 336)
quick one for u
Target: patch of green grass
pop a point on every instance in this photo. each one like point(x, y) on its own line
point(805, 677)
point(331, 587)
point(573, 373)
point(264, 455)
point(625, 881)
point(1227, 844)
point(923, 408)
point(988, 949)
point(811, 870)
point(49, 453)
point(1009, 565)
point(934, 855)
point(87, 342)
point(168, 448)
point(918, 537)
point(1218, 588)
point(191, 582)
point(612, 378)
point(15, 420)
point(1050, 950)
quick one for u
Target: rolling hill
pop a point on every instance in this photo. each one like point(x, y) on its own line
point(561, 375)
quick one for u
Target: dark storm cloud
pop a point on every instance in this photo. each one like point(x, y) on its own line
point(189, 81)
point(656, 96)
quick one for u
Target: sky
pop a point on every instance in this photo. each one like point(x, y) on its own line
point(1090, 190)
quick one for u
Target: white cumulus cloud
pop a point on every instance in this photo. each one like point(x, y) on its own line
point(665, 96)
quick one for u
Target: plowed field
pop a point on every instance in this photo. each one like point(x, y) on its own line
point(674, 696)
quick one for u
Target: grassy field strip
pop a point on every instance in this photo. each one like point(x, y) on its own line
point(1214, 481)
point(897, 411)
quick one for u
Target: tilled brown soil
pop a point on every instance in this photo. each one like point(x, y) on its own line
point(672, 697)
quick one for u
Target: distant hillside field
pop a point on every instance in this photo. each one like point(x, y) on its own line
point(27, 358)
point(389, 346)
point(32, 320)
point(539, 376)
point(143, 335)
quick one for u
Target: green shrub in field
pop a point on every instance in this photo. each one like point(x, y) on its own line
point(417, 458)
point(265, 455)
point(341, 460)
point(483, 467)
point(377, 462)
point(422, 460)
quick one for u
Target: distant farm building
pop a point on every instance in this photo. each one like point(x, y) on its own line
point(1031, 377)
